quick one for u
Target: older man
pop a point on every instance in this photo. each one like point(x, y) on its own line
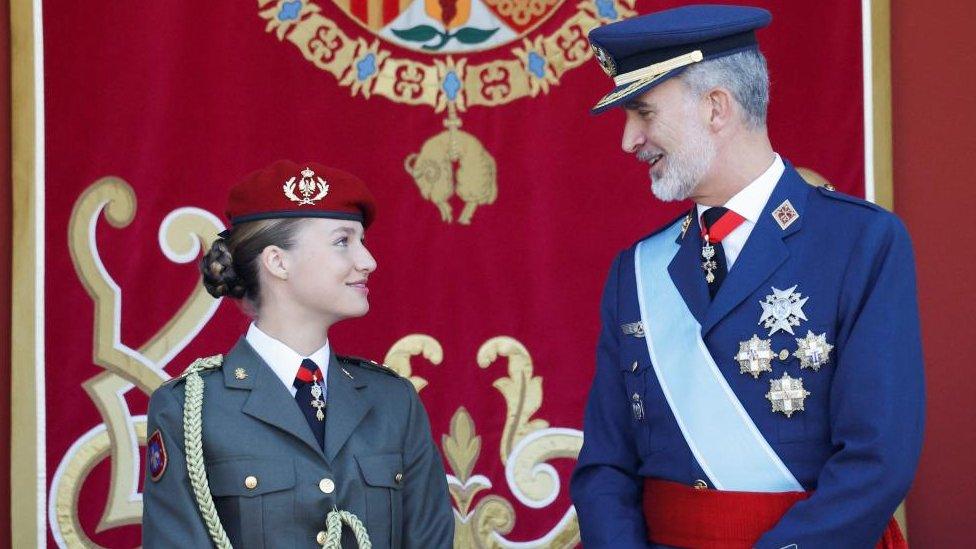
point(759, 372)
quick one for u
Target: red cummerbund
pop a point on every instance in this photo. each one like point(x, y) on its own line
point(682, 516)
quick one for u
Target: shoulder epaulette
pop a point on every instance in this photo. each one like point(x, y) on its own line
point(830, 192)
point(366, 363)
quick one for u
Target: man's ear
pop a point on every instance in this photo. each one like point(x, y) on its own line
point(721, 108)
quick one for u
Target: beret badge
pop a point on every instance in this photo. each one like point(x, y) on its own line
point(311, 187)
point(605, 60)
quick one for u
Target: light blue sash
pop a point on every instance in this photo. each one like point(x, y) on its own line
point(722, 436)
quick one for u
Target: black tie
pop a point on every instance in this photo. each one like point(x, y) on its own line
point(709, 218)
point(308, 377)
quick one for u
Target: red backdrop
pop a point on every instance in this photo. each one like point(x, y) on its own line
point(934, 116)
point(181, 101)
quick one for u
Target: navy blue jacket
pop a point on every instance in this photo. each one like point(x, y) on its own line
point(858, 440)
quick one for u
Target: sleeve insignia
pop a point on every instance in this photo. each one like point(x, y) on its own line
point(156, 454)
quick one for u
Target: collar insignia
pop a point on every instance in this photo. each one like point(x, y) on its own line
point(785, 214)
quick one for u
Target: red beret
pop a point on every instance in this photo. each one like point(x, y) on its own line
point(286, 189)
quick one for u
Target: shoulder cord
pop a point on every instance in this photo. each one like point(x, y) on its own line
point(333, 530)
point(193, 440)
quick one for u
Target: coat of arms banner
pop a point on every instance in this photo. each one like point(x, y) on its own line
point(501, 203)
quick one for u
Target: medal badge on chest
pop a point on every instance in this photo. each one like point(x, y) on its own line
point(782, 310)
point(317, 401)
point(709, 264)
point(787, 394)
point(813, 351)
point(755, 356)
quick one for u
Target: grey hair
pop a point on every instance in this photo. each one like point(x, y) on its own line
point(743, 73)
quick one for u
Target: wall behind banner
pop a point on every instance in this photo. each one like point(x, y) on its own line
point(934, 134)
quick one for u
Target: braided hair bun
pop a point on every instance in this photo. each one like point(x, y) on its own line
point(219, 278)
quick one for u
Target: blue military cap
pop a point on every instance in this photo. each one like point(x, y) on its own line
point(642, 52)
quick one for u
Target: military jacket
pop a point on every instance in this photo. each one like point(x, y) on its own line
point(857, 441)
point(273, 485)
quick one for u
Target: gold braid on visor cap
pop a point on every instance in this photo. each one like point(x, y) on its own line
point(635, 79)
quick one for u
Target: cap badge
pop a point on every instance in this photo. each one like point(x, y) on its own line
point(605, 60)
point(309, 185)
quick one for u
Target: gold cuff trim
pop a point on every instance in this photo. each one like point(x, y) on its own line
point(658, 69)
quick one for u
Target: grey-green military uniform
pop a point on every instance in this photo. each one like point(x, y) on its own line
point(272, 484)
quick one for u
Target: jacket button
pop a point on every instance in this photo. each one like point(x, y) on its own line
point(251, 482)
point(398, 478)
point(327, 486)
point(320, 537)
point(700, 485)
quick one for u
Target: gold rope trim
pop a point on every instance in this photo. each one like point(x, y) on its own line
point(657, 69)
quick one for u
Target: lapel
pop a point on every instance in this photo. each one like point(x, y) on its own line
point(686, 272)
point(346, 406)
point(269, 401)
point(764, 251)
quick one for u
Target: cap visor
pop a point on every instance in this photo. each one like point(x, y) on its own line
point(622, 94)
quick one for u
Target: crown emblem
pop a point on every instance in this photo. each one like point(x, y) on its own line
point(309, 185)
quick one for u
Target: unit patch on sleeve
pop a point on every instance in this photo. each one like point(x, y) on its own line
point(156, 453)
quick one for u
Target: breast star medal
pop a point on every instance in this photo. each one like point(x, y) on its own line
point(755, 356)
point(709, 265)
point(813, 351)
point(782, 310)
point(317, 401)
point(787, 394)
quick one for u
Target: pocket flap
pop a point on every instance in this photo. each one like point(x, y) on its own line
point(385, 470)
point(250, 477)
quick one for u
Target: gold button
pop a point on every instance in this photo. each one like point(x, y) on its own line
point(828, 186)
point(327, 486)
point(251, 482)
point(320, 538)
point(700, 485)
point(398, 478)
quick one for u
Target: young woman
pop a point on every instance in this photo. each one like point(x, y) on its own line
point(283, 443)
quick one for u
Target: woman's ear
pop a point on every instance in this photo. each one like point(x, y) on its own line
point(274, 261)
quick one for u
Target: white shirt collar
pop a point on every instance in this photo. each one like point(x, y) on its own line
point(750, 201)
point(282, 359)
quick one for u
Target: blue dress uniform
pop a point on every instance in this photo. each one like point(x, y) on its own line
point(793, 392)
point(273, 485)
point(856, 441)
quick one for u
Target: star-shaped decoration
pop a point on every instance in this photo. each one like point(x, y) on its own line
point(782, 310)
point(755, 356)
point(787, 394)
point(813, 351)
point(240, 373)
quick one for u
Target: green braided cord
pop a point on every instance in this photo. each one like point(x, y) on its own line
point(193, 439)
point(333, 530)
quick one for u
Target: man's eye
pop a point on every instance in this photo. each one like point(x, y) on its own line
point(645, 114)
point(344, 241)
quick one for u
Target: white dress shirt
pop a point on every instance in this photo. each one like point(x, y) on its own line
point(283, 360)
point(749, 203)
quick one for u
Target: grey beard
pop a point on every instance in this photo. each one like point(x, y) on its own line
point(684, 170)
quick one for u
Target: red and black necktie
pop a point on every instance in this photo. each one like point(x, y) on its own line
point(716, 224)
point(310, 395)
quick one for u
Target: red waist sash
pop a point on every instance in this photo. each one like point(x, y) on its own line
point(681, 516)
